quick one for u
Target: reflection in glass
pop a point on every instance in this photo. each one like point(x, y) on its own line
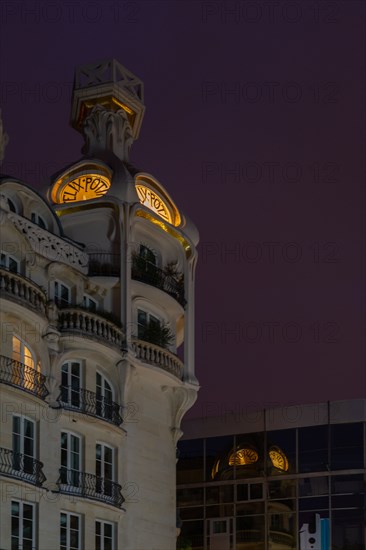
point(218, 450)
point(313, 449)
point(348, 529)
point(254, 444)
point(281, 448)
point(313, 486)
point(190, 463)
point(282, 488)
point(346, 446)
point(250, 529)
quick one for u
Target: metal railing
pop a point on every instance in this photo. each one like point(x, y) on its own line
point(86, 485)
point(90, 403)
point(21, 376)
point(21, 466)
point(146, 272)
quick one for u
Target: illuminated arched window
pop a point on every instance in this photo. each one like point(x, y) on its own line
point(26, 373)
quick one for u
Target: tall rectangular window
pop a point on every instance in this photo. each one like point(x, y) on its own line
point(70, 383)
point(8, 262)
point(70, 459)
point(104, 468)
point(104, 535)
point(23, 444)
point(62, 294)
point(70, 531)
point(22, 526)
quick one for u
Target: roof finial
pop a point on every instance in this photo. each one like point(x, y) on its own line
point(4, 139)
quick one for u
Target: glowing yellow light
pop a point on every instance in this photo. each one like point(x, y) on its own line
point(278, 458)
point(81, 188)
point(152, 195)
point(215, 469)
point(243, 457)
point(167, 229)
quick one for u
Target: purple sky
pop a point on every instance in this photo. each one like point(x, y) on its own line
point(255, 124)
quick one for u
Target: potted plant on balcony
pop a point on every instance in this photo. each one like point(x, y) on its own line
point(157, 333)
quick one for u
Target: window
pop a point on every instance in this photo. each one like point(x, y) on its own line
point(9, 263)
point(70, 383)
point(70, 531)
point(26, 374)
point(89, 303)
point(70, 459)
point(104, 401)
point(22, 526)
point(104, 535)
point(104, 469)
point(145, 320)
point(147, 254)
point(62, 294)
point(37, 219)
point(151, 329)
point(11, 206)
point(23, 444)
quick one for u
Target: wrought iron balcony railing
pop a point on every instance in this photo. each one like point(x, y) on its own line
point(146, 272)
point(26, 378)
point(86, 485)
point(21, 466)
point(90, 403)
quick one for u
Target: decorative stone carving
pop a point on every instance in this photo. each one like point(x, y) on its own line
point(181, 400)
point(4, 140)
point(105, 130)
point(49, 246)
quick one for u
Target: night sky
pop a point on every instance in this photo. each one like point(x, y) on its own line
point(255, 125)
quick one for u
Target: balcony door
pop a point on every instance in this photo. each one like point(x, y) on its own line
point(70, 459)
point(104, 469)
point(70, 383)
point(25, 374)
point(104, 397)
point(23, 444)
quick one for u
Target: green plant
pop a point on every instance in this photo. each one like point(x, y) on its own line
point(156, 333)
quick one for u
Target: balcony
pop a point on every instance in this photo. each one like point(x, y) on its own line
point(88, 402)
point(21, 466)
point(91, 325)
point(73, 482)
point(158, 357)
point(148, 273)
point(104, 264)
point(21, 376)
point(18, 288)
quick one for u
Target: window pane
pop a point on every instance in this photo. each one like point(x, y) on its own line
point(250, 529)
point(346, 446)
point(190, 463)
point(248, 457)
point(216, 495)
point(313, 486)
point(313, 449)
point(218, 450)
point(347, 484)
point(348, 529)
point(282, 488)
point(190, 497)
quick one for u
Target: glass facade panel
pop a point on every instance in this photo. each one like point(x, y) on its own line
point(190, 468)
point(348, 528)
point(313, 486)
point(346, 446)
point(218, 451)
point(222, 493)
point(250, 529)
point(346, 484)
point(283, 488)
point(313, 449)
point(248, 455)
point(192, 536)
point(314, 503)
point(250, 508)
point(220, 511)
point(190, 497)
point(281, 452)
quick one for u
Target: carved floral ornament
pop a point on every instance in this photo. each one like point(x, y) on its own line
point(105, 130)
point(50, 246)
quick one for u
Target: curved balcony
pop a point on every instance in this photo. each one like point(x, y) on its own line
point(21, 376)
point(158, 357)
point(72, 482)
point(90, 325)
point(21, 466)
point(148, 273)
point(18, 288)
point(88, 402)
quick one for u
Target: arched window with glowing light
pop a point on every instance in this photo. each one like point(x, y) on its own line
point(26, 372)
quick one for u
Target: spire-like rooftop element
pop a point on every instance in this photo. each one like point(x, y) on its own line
point(4, 140)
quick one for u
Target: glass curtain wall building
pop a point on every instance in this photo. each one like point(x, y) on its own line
point(289, 478)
